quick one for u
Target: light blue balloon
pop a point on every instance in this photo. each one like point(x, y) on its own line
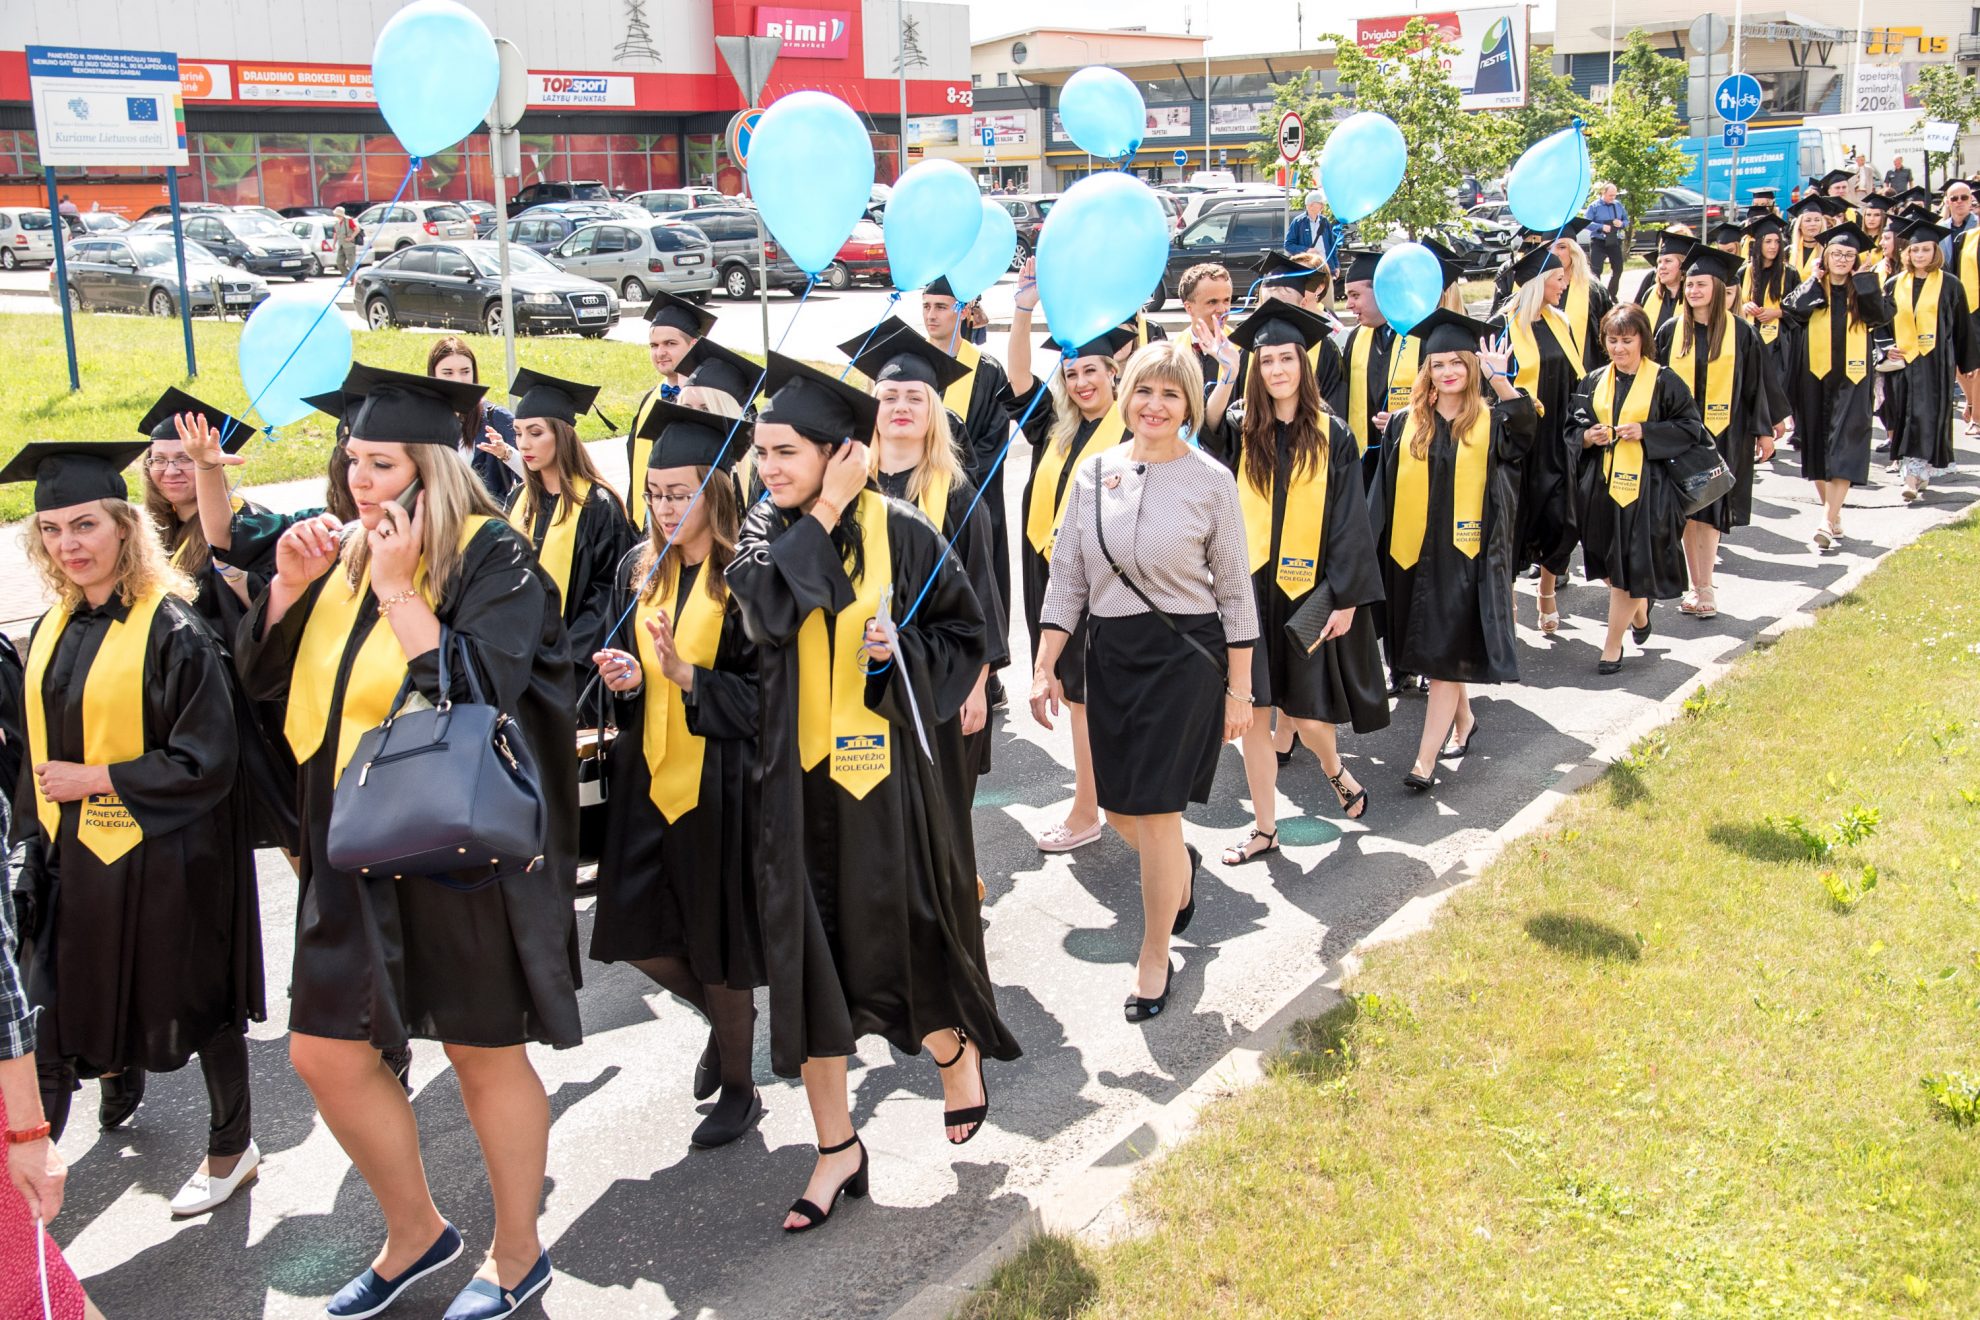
point(811, 172)
point(988, 257)
point(1099, 256)
point(1549, 183)
point(931, 221)
point(1103, 112)
point(272, 336)
point(1361, 165)
point(1409, 279)
point(434, 70)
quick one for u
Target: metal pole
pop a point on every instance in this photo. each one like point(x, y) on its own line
point(185, 289)
point(496, 162)
point(1612, 48)
point(762, 274)
point(1856, 63)
point(1206, 89)
point(1739, 21)
point(900, 39)
point(62, 275)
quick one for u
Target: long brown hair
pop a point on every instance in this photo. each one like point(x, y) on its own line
point(1423, 407)
point(573, 465)
point(447, 346)
point(724, 504)
point(1765, 278)
point(186, 538)
point(1307, 432)
point(1716, 323)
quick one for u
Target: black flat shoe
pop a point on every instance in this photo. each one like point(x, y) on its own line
point(1641, 635)
point(1609, 666)
point(971, 1116)
point(121, 1097)
point(854, 1186)
point(719, 1128)
point(1418, 783)
point(1188, 912)
point(1140, 1010)
point(1285, 758)
point(1456, 750)
point(708, 1071)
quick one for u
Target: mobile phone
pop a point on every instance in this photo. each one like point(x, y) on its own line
point(408, 499)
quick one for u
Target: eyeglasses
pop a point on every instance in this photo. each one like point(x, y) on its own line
point(163, 463)
point(671, 499)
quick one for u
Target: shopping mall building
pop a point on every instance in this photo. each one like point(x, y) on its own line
point(279, 109)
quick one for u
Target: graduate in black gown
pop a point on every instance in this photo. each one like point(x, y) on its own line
point(870, 925)
point(1661, 294)
point(1764, 284)
point(381, 960)
point(1283, 276)
point(1379, 365)
point(1933, 334)
point(1548, 355)
point(572, 519)
point(1586, 300)
point(1443, 520)
point(673, 327)
point(171, 497)
point(1306, 524)
point(137, 894)
point(1829, 378)
point(1628, 417)
point(1730, 374)
point(676, 885)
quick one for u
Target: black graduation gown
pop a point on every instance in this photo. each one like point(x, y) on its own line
point(1341, 682)
point(1374, 387)
point(141, 961)
point(1921, 396)
point(685, 890)
point(603, 537)
point(1672, 305)
point(974, 547)
point(1639, 549)
point(1449, 616)
point(1771, 287)
point(1593, 351)
point(1757, 402)
point(255, 532)
point(1545, 530)
point(1832, 415)
point(388, 960)
point(871, 923)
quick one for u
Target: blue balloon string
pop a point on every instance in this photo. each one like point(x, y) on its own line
point(892, 298)
point(412, 167)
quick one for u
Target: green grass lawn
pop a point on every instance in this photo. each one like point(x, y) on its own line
point(1708, 1046)
point(127, 361)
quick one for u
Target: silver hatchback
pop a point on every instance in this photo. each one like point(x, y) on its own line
point(640, 259)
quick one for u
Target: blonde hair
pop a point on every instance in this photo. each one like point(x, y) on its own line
point(1452, 299)
point(710, 400)
point(1575, 262)
point(1169, 362)
point(1065, 413)
point(453, 495)
point(142, 564)
point(939, 456)
point(1423, 408)
point(1526, 303)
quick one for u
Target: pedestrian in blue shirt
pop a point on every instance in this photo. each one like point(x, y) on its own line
point(1309, 229)
point(1607, 221)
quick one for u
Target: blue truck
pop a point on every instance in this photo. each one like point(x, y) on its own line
point(1778, 158)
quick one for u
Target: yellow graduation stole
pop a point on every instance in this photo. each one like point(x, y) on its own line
point(956, 398)
point(832, 711)
point(560, 537)
point(1769, 330)
point(377, 670)
point(934, 499)
point(1299, 539)
point(1967, 258)
point(1141, 330)
point(1916, 334)
point(1653, 306)
point(1622, 465)
point(1402, 367)
point(1856, 346)
point(673, 754)
point(1526, 347)
point(1047, 514)
point(1870, 256)
point(113, 723)
point(1717, 403)
point(1474, 453)
point(1576, 310)
point(1805, 259)
point(642, 449)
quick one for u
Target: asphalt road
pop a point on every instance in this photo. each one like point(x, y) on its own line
point(639, 1225)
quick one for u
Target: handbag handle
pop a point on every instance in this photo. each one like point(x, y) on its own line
point(1100, 531)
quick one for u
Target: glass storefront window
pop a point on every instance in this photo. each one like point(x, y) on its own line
point(701, 148)
point(230, 168)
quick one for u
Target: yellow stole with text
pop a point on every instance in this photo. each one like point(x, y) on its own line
point(833, 716)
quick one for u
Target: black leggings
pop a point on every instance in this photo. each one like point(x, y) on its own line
point(223, 1061)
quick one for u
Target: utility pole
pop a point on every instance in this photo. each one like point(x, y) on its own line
point(900, 40)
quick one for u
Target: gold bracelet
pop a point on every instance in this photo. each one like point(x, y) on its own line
point(390, 603)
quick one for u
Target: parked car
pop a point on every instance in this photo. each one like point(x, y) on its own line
point(572, 190)
point(542, 228)
point(863, 256)
point(185, 208)
point(1194, 207)
point(390, 226)
point(297, 212)
point(483, 216)
point(1675, 206)
point(314, 233)
point(1481, 246)
point(637, 259)
point(1235, 236)
point(267, 213)
point(734, 233)
point(139, 272)
point(1028, 214)
point(26, 234)
point(661, 201)
point(460, 285)
point(1173, 208)
point(98, 222)
point(252, 243)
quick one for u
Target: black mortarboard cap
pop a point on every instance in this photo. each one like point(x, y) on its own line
point(158, 423)
point(817, 405)
point(66, 473)
point(1572, 229)
point(1446, 331)
point(1712, 261)
point(337, 403)
point(1106, 345)
point(899, 353)
point(1915, 211)
point(1766, 192)
point(1875, 202)
point(1911, 195)
point(1726, 232)
point(1453, 268)
point(1924, 231)
point(940, 287)
point(668, 310)
point(540, 395)
point(1534, 264)
point(1762, 225)
point(1360, 268)
point(407, 409)
point(1280, 322)
point(1815, 202)
point(1847, 234)
point(689, 437)
point(1278, 267)
point(1832, 178)
point(1671, 244)
point(712, 366)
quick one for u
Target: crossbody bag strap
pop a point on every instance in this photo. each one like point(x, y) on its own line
point(1100, 530)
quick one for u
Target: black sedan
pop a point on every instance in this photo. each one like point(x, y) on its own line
point(459, 285)
point(251, 242)
point(139, 272)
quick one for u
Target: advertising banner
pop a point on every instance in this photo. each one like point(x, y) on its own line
point(1007, 130)
point(106, 107)
point(1489, 62)
point(304, 84)
point(1161, 121)
point(582, 89)
point(206, 80)
point(809, 34)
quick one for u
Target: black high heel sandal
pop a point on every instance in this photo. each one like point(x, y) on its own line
point(1348, 804)
point(1188, 912)
point(1140, 1010)
point(974, 1115)
point(853, 1186)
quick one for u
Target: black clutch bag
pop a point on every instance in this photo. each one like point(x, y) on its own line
point(449, 793)
point(1309, 618)
point(1701, 476)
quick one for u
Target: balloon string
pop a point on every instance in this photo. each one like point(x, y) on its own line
point(227, 429)
point(891, 300)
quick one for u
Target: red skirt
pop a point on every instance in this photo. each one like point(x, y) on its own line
point(20, 1269)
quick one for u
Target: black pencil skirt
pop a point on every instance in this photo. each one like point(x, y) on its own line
point(1154, 711)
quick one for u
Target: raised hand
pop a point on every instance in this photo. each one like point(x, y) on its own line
point(306, 551)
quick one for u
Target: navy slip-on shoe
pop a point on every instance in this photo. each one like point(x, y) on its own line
point(482, 1300)
point(368, 1294)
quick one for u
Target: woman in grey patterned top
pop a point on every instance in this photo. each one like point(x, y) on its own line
point(1163, 577)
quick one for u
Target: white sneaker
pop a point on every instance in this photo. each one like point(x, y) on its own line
point(203, 1192)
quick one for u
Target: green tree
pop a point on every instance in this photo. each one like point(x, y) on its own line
point(1552, 104)
point(1657, 78)
point(1631, 143)
point(1953, 97)
point(1302, 94)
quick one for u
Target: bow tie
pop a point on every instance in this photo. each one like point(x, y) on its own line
point(669, 393)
